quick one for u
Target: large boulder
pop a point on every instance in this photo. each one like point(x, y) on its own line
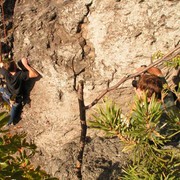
point(92, 40)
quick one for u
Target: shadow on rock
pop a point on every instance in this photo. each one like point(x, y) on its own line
point(110, 170)
point(27, 85)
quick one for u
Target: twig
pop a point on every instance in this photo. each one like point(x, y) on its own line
point(125, 78)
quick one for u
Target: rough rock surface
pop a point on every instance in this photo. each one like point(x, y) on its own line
point(94, 40)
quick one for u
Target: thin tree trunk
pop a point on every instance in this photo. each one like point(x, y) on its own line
point(82, 111)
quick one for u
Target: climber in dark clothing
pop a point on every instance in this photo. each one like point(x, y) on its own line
point(152, 82)
point(14, 78)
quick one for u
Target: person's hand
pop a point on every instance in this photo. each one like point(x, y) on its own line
point(1, 64)
point(24, 61)
point(32, 72)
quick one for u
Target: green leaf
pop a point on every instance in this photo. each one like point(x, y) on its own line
point(3, 165)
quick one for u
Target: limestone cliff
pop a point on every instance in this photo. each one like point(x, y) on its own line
point(97, 41)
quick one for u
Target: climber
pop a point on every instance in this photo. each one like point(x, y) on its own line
point(150, 84)
point(153, 81)
point(14, 78)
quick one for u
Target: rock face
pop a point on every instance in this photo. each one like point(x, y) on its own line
point(92, 40)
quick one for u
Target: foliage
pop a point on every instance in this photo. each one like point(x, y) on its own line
point(175, 62)
point(110, 119)
point(157, 55)
point(144, 133)
point(15, 154)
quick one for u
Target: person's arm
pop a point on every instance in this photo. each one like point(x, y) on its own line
point(32, 72)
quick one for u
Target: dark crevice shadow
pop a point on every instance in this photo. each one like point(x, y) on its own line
point(6, 24)
point(5, 48)
point(9, 6)
point(27, 88)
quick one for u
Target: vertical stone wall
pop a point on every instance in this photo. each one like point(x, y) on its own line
point(98, 41)
point(126, 34)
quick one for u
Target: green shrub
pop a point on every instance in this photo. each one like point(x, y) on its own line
point(145, 133)
point(15, 154)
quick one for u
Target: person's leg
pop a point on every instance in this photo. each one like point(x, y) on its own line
point(5, 96)
point(14, 113)
point(6, 99)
